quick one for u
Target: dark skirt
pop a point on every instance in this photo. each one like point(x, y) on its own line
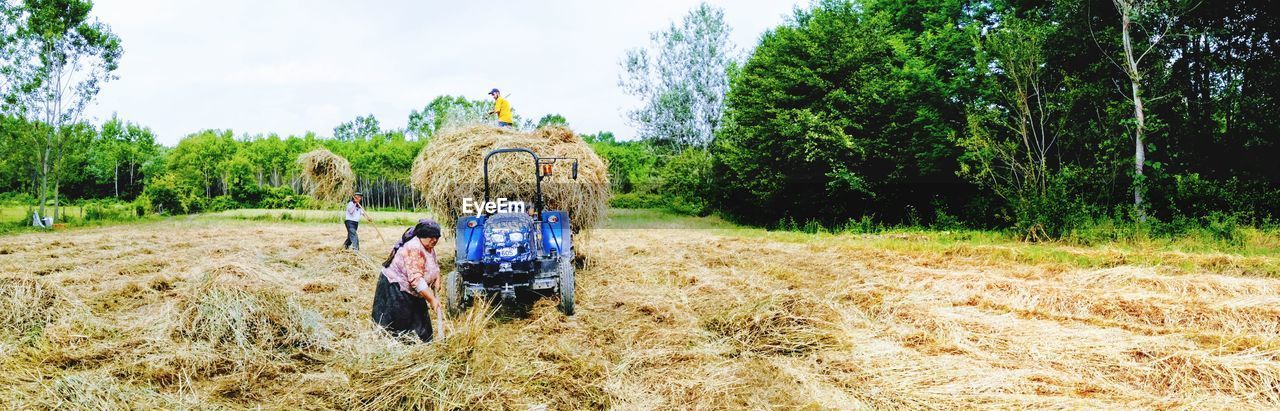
point(400, 312)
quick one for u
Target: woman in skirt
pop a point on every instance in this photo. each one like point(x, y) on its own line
point(407, 285)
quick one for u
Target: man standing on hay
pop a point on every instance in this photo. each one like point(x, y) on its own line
point(354, 212)
point(502, 108)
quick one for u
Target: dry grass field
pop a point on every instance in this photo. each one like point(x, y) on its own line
point(227, 313)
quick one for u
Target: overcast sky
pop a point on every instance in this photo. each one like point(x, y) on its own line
point(292, 66)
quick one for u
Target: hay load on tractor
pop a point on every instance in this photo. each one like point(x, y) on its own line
point(513, 212)
point(450, 169)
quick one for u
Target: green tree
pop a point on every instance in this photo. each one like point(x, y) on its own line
point(73, 56)
point(632, 164)
point(681, 79)
point(1133, 13)
point(119, 149)
point(831, 118)
point(1011, 144)
point(446, 111)
point(552, 120)
point(204, 159)
point(363, 127)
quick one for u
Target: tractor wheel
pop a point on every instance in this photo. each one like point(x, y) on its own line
point(566, 289)
point(453, 293)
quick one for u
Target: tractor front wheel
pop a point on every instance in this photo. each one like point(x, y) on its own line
point(566, 289)
point(453, 292)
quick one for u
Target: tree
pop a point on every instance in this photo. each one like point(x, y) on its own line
point(74, 56)
point(11, 56)
point(1132, 12)
point(363, 127)
point(1012, 140)
point(111, 148)
point(681, 80)
point(830, 118)
point(446, 111)
point(552, 120)
point(203, 159)
point(117, 153)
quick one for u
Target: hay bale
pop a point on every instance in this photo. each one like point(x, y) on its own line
point(326, 176)
point(451, 168)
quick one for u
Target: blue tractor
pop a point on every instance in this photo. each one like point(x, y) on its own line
point(501, 253)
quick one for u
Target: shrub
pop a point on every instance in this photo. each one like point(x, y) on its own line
point(16, 197)
point(170, 195)
point(865, 225)
point(219, 203)
point(108, 210)
point(686, 182)
point(142, 205)
point(282, 197)
point(1224, 227)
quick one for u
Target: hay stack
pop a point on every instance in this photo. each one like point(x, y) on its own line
point(451, 168)
point(326, 176)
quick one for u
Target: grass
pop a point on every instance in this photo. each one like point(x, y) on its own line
point(244, 309)
point(22, 213)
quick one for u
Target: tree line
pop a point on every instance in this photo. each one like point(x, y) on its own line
point(1043, 116)
point(1047, 117)
point(54, 59)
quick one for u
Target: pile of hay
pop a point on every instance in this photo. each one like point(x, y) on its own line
point(326, 176)
point(451, 168)
point(235, 308)
point(28, 306)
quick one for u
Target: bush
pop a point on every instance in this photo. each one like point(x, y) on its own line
point(865, 225)
point(142, 205)
point(686, 182)
point(282, 197)
point(16, 197)
point(170, 195)
point(108, 210)
point(219, 203)
point(1224, 227)
point(632, 164)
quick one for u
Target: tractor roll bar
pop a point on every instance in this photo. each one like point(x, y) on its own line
point(537, 200)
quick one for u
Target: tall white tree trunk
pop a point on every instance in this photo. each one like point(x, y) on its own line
point(1127, 9)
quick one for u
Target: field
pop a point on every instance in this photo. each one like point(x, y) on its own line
point(240, 310)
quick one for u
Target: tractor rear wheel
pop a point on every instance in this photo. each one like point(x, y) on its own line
point(566, 289)
point(453, 292)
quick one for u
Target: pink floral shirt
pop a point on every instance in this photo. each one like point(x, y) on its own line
point(411, 261)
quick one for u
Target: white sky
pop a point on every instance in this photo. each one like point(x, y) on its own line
point(293, 66)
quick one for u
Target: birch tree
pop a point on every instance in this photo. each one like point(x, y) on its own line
point(71, 55)
point(1154, 18)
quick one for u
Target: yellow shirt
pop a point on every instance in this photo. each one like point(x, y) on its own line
point(503, 107)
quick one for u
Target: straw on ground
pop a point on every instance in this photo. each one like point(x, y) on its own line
point(233, 314)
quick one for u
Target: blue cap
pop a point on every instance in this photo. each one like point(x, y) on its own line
point(493, 91)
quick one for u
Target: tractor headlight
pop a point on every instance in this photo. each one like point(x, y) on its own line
point(507, 252)
point(497, 238)
point(516, 237)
